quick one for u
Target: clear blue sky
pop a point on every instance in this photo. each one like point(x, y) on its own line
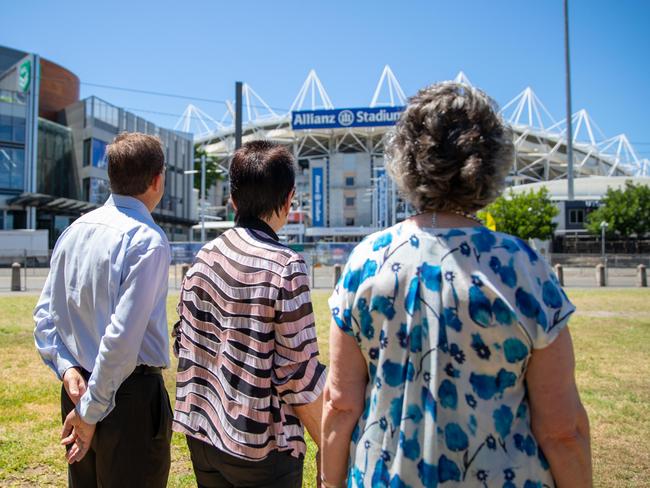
point(200, 48)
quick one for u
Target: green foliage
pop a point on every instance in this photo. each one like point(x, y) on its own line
point(525, 215)
point(213, 171)
point(626, 211)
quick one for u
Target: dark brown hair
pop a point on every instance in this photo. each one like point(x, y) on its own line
point(450, 149)
point(134, 160)
point(262, 176)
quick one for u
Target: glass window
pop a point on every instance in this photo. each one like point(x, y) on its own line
point(55, 175)
point(12, 168)
point(95, 153)
point(576, 216)
point(96, 190)
point(13, 114)
point(349, 181)
point(100, 110)
point(87, 147)
point(349, 221)
point(349, 201)
point(99, 153)
point(89, 110)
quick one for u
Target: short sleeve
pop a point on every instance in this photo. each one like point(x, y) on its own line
point(342, 300)
point(543, 306)
point(298, 375)
point(349, 303)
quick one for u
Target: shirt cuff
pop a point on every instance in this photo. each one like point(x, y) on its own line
point(63, 364)
point(91, 411)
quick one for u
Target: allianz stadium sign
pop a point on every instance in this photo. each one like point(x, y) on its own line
point(345, 117)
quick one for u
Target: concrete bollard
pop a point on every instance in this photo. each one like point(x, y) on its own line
point(338, 269)
point(641, 276)
point(15, 277)
point(600, 275)
point(559, 271)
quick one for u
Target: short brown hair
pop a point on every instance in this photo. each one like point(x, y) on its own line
point(262, 176)
point(134, 160)
point(450, 149)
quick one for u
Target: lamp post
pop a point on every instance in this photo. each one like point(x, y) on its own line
point(301, 232)
point(202, 194)
point(203, 198)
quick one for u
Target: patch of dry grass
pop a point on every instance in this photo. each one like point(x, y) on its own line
point(611, 332)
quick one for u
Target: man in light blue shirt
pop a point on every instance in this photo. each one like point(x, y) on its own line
point(101, 326)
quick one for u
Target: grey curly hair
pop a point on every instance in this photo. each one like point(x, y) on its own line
point(450, 149)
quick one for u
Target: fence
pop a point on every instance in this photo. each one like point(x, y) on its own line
point(593, 245)
point(321, 259)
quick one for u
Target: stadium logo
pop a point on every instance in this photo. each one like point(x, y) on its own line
point(346, 118)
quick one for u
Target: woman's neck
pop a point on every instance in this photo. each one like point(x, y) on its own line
point(444, 220)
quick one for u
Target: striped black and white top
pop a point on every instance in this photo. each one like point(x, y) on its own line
point(246, 344)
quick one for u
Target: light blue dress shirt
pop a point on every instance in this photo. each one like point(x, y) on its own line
point(103, 306)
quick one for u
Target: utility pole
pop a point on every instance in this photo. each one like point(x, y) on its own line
point(238, 114)
point(569, 115)
point(203, 199)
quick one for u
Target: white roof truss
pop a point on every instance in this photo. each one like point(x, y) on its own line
point(388, 83)
point(314, 92)
point(527, 109)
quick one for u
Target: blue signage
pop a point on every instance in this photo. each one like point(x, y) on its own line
point(317, 197)
point(345, 117)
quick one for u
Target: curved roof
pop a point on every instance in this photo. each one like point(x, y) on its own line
point(590, 188)
point(540, 140)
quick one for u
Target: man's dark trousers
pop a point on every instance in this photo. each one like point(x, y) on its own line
point(131, 444)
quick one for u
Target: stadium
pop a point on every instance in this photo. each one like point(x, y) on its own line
point(344, 192)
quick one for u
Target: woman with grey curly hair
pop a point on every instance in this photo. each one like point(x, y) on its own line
point(450, 357)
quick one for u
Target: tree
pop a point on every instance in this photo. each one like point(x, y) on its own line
point(526, 215)
point(213, 172)
point(626, 211)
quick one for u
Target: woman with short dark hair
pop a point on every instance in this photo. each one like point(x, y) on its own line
point(249, 377)
point(450, 359)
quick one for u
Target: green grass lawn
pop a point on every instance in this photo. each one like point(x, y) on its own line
point(611, 332)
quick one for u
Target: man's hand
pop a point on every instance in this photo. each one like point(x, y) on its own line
point(79, 434)
point(74, 384)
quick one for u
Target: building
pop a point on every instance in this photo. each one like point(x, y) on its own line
point(52, 145)
point(588, 195)
point(342, 182)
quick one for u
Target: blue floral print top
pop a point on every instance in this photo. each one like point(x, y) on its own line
point(446, 320)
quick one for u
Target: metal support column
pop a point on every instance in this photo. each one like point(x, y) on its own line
point(238, 114)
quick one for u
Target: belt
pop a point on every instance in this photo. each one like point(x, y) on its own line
point(147, 370)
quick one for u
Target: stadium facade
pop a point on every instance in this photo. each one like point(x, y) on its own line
point(342, 184)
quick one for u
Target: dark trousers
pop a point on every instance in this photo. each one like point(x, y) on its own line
point(216, 469)
point(131, 444)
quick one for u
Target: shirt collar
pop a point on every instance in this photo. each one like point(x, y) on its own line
point(257, 224)
point(124, 201)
